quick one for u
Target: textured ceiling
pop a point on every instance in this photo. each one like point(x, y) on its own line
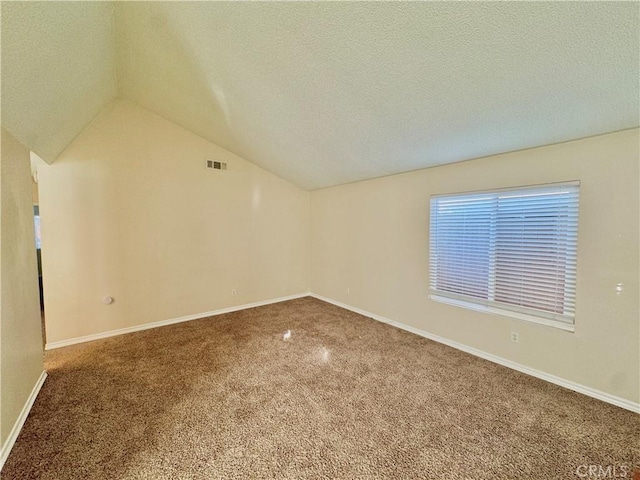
point(324, 93)
point(58, 70)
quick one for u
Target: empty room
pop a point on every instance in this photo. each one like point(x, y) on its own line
point(303, 240)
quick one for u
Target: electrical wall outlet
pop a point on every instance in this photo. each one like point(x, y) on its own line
point(515, 337)
point(234, 292)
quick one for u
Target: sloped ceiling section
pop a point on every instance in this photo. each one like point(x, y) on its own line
point(58, 70)
point(324, 93)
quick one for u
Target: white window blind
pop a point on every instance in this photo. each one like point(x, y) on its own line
point(512, 250)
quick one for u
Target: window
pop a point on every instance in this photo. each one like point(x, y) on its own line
point(511, 252)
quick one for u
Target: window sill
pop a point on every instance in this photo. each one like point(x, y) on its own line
point(506, 313)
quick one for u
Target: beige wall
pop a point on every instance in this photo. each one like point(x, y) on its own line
point(20, 333)
point(129, 210)
point(372, 237)
point(34, 193)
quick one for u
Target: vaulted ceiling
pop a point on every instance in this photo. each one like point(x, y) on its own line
point(324, 93)
point(58, 70)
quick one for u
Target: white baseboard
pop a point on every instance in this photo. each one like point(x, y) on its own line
point(162, 323)
point(576, 387)
point(15, 431)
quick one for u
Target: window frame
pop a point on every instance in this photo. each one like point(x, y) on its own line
point(490, 305)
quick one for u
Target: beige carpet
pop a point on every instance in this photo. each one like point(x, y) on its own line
point(342, 397)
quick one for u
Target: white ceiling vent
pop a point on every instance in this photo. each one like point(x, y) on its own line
point(215, 165)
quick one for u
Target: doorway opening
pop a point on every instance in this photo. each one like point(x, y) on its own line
point(38, 244)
